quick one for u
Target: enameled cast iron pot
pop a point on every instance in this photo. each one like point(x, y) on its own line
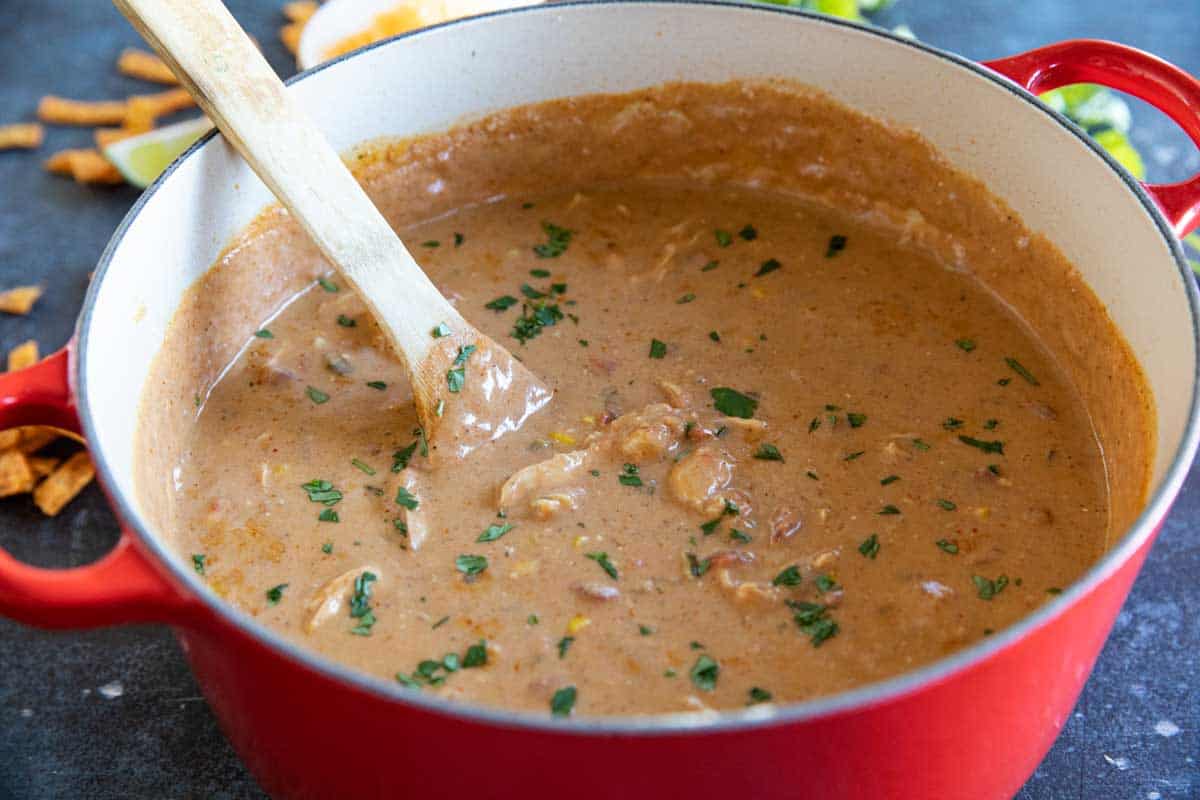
point(971, 726)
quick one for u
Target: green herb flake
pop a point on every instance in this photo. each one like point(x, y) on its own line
point(563, 701)
point(888, 510)
point(716, 337)
point(991, 424)
point(837, 243)
point(605, 564)
point(323, 492)
point(825, 583)
point(275, 594)
point(198, 562)
point(327, 548)
point(316, 395)
point(380, 385)
point(813, 475)
point(705, 672)
point(657, 349)
point(889, 480)
point(564, 644)
point(696, 566)
point(758, 695)
point(1018, 368)
point(748, 233)
point(629, 476)
point(724, 238)
point(328, 515)
point(264, 333)
point(870, 546)
point(493, 532)
point(540, 273)
point(813, 621)
point(501, 303)
point(459, 239)
point(946, 505)
point(710, 266)
point(1053, 590)
point(401, 457)
point(768, 452)
point(814, 424)
point(767, 267)
point(988, 589)
point(440, 330)
point(407, 499)
point(687, 298)
point(710, 527)
point(470, 565)
point(557, 240)
point(985, 446)
point(952, 424)
point(327, 284)
point(476, 655)
point(346, 322)
point(645, 630)
point(854, 455)
point(431, 243)
point(739, 536)
point(921, 444)
point(361, 466)
point(532, 619)
point(733, 403)
point(966, 345)
point(360, 604)
point(1004, 382)
point(856, 420)
point(789, 576)
point(947, 546)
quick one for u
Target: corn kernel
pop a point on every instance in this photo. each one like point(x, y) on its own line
point(578, 623)
point(579, 541)
point(757, 294)
point(563, 438)
point(983, 512)
point(588, 420)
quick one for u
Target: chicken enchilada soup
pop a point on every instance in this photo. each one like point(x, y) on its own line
point(824, 411)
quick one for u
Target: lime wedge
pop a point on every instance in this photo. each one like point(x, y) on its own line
point(142, 158)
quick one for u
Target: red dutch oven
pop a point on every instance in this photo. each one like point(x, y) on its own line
point(971, 726)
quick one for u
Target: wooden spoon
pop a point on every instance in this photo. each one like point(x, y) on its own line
point(468, 390)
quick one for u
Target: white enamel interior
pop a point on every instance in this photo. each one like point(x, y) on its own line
point(431, 80)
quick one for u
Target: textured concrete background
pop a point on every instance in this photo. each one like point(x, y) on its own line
point(115, 713)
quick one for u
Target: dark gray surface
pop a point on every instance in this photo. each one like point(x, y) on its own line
point(1133, 734)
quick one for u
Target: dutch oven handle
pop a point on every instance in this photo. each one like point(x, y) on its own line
point(124, 586)
point(1127, 69)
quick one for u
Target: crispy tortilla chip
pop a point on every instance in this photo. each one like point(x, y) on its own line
point(290, 36)
point(23, 355)
point(164, 103)
point(16, 477)
point(61, 111)
point(106, 136)
point(35, 437)
point(85, 166)
point(145, 66)
point(26, 135)
point(64, 483)
point(299, 10)
point(19, 299)
point(41, 466)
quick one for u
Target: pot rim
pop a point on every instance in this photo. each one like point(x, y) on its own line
point(687, 723)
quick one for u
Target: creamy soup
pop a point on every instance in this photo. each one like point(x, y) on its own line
point(823, 411)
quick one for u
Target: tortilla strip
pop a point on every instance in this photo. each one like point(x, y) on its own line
point(85, 166)
point(41, 466)
point(23, 355)
point(15, 475)
point(61, 111)
point(299, 10)
point(64, 483)
point(35, 437)
point(25, 135)
point(145, 66)
point(164, 103)
point(19, 299)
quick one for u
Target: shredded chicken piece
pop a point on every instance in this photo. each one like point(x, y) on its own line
point(555, 503)
point(785, 523)
point(542, 478)
point(673, 393)
point(754, 429)
point(596, 591)
point(700, 479)
point(746, 591)
point(326, 603)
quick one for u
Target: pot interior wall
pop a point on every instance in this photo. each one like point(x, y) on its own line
point(439, 77)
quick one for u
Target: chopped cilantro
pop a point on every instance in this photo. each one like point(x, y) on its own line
point(476, 655)
point(739, 536)
point(920, 444)
point(888, 510)
point(837, 243)
point(687, 298)
point(724, 238)
point(813, 621)
point(316, 395)
point(657, 349)
point(380, 385)
point(768, 452)
point(870, 546)
point(790, 576)
point(629, 476)
point(470, 564)
point(431, 243)
point(502, 303)
point(704, 673)
point(988, 588)
point(264, 334)
point(346, 322)
point(327, 548)
point(493, 532)
point(855, 420)
point(275, 593)
point(854, 455)
point(825, 584)
point(710, 266)
point(987, 447)
point(889, 479)
point(327, 284)
point(645, 630)
point(758, 695)
point(991, 424)
point(768, 266)
point(360, 608)
point(748, 233)
point(532, 619)
point(605, 564)
point(459, 239)
point(952, 424)
point(716, 337)
point(557, 240)
point(407, 499)
point(1020, 370)
point(696, 566)
point(733, 403)
point(198, 562)
point(947, 546)
point(540, 273)
point(563, 701)
point(362, 466)
point(966, 345)
point(564, 644)
point(401, 457)
point(440, 330)
point(328, 515)
point(946, 505)
point(813, 475)
point(320, 491)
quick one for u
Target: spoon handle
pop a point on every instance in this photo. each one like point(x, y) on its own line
point(236, 87)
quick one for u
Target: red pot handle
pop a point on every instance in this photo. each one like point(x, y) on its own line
point(124, 586)
point(1162, 85)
